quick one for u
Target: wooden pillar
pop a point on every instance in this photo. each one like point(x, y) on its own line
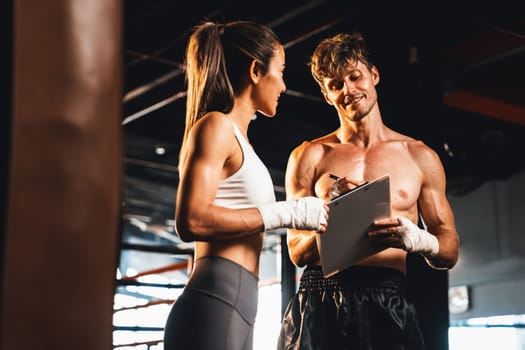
point(6, 72)
point(61, 241)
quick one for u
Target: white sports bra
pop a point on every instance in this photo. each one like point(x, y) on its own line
point(249, 186)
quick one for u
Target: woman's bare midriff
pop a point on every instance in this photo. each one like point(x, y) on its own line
point(244, 252)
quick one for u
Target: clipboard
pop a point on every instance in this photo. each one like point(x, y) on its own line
point(344, 243)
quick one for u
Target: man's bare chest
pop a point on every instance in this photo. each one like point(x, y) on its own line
point(360, 166)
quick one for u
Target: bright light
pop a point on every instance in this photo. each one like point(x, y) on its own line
point(482, 338)
point(268, 319)
point(488, 333)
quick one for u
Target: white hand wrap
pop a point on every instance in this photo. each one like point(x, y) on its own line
point(417, 240)
point(306, 213)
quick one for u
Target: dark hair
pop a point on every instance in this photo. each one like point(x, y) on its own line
point(217, 60)
point(333, 55)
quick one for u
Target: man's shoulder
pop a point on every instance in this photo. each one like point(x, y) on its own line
point(418, 146)
point(396, 136)
point(413, 144)
point(314, 146)
point(422, 152)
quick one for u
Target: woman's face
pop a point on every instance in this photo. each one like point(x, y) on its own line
point(271, 85)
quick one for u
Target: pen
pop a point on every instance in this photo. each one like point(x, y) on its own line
point(334, 177)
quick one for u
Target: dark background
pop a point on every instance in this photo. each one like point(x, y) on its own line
point(451, 76)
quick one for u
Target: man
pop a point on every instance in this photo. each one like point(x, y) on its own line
point(364, 306)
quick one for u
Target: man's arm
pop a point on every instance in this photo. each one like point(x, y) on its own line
point(299, 182)
point(436, 210)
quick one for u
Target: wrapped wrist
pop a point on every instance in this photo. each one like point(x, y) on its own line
point(416, 240)
point(306, 213)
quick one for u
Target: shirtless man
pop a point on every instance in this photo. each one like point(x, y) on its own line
point(364, 306)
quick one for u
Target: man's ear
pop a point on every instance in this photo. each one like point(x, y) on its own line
point(375, 75)
point(255, 71)
point(327, 99)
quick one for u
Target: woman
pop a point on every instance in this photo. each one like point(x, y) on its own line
point(225, 199)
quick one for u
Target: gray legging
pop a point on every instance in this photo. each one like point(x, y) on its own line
point(216, 310)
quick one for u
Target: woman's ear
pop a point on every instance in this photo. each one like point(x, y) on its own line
point(255, 71)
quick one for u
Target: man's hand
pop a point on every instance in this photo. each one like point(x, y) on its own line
point(341, 185)
point(402, 233)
